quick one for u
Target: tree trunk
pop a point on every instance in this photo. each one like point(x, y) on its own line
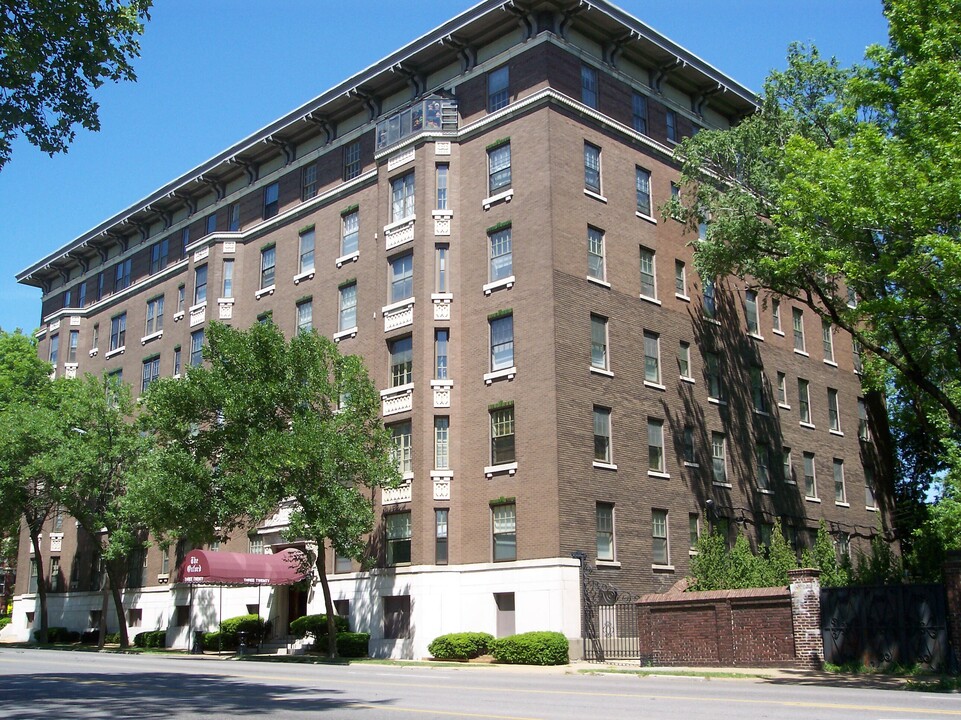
point(328, 603)
point(118, 606)
point(41, 585)
point(104, 605)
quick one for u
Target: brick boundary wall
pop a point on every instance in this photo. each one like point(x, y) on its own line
point(762, 627)
point(952, 590)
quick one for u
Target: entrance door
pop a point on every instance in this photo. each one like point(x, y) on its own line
point(296, 604)
point(505, 614)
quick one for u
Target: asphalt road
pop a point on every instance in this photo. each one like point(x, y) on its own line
point(45, 684)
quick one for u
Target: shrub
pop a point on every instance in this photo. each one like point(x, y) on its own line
point(533, 648)
point(253, 625)
point(113, 637)
point(90, 637)
point(4, 621)
point(352, 644)
point(316, 625)
point(157, 639)
point(460, 646)
point(212, 641)
point(58, 635)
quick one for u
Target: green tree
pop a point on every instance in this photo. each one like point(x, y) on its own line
point(841, 193)
point(52, 54)
point(268, 420)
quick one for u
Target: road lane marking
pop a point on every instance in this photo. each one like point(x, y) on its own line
point(452, 713)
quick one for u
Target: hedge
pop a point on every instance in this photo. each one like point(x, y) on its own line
point(62, 635)
point(533, 648)
point(352, 644)
point(4, 621)
point(151, 639)
point(460, 646)
point(316, 625)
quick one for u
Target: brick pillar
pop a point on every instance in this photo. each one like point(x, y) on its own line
point(645, 637)
point(952, 590)
point(806, 616)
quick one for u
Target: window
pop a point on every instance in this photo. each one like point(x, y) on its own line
point(158, 256)
point(589, 86)
point(870, 494)
point(639, 113)
point(856, 355)
point(352, 166)
point(839, 495)
point(200, 285)
point(690, 453)
point(441, 278)
point(271, 200)
point(502, 342)
point(402, 448)
point(642, 185)
point(233, 213)
point(764, 534)
point(306, 251)
point(680, 279)
point(181, 298)
point(398, 538)
point(501, 258)
point(804, 400)
point(810, 482)
point(505, 532)
point(660, 550)
point(798, 329)
point(100, 284)
point(864, 432)
point(441, 519)
point(757, 389)
point(684, 359)
point(719, 457)
point(499, 168)
point(211, 224)
point(604, 512)
point(121, 278)
point(440, 178)
point(401, 361)
point(349, 232)
point(776, 315)
point(308, 182)
point(348, 307)
point(151, 371)
point(498, 83)
point(442, 442)
point(762, 455)
point(787, 463)
point(781, 389)
point(655, 445)
point(82, 295)
point(155, 315)
point(710, 302)
point(648, 287)
point(502, 435)
point(599, 357)
point(750, 312)
point(177, 360)
point(72, 343)
point(196, 348)
point(305, 316)
point(118, 331)
point(402, 278)
point(712, 369)
point(402, 197)
point(56, 579)
point(54, 349)
point(671, 118)
point(652, 358)
point(397, 616)
point(602, 434)
point(228, 279)
point(827, 335)
point(694, 530)
point(592, 168)
point(834, 415)
point(268, 266)
point(441, 341)
point(595, 253)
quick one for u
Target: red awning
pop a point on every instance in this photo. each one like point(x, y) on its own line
point(205, 567)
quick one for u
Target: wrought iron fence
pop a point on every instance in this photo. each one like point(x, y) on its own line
point(608, 618)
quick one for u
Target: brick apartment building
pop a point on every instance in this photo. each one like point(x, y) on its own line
point(477, 216)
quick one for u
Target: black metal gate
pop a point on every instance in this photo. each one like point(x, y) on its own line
point(608, 618)
point(904, 624)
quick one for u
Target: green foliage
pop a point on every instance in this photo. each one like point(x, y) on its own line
point(151, 639)
point(253, 625)
point(352, 644)
point(881, 567)
point(715, 567)
point(316, 625)
point(533, 648)
point(460, 646)
point(824, 557)
point(54, 54)
point(4, 621)
point(59, 635)
point(216, 640)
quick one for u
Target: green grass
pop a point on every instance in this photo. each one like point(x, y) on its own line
point(859, 668)
point(943, 684)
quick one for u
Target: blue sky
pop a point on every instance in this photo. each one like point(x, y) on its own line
point(212, 72)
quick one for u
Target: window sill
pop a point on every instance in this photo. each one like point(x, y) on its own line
point(397, 390)
point(755, 336)
point(762, 413)
point(507, 282)
point(658, 474)
point(596, 196)
point(807, 425)
point(691, 464)
point(871, 509)
point(344, 334)
point(685, 298)
point(399, 305)
point(492, 470)
point(727, 485)
point(765, 491)
point(443, 213)
point(499, 197)
point(93, 352)
point(269, 290)
point(830, 362)
point(687, 379)
point(598, 281)
point(654, 385)
point(307, 275)
point(601, 371)
point(801, 352)
point(409, 220)
point(778, 332)
point(842, 504)
point(662, 568)
point(717, 401)
point(445, 473)
point(791, 482)
point(813, 499)
point(441, 383)
point(784, 406)
point(713, 321)
point(649, 218)
point(178, 316)
point(152, 336)
point(607, 563)
point(648, 298)
point(225, 301)
point(836, 432)
point(508, 373)
point(198, 308)
point(116, 351)
point(604, 465)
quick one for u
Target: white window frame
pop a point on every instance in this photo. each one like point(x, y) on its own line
point(648, 277)
point(603, 452)
point(596, 262)
point(660, 538)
